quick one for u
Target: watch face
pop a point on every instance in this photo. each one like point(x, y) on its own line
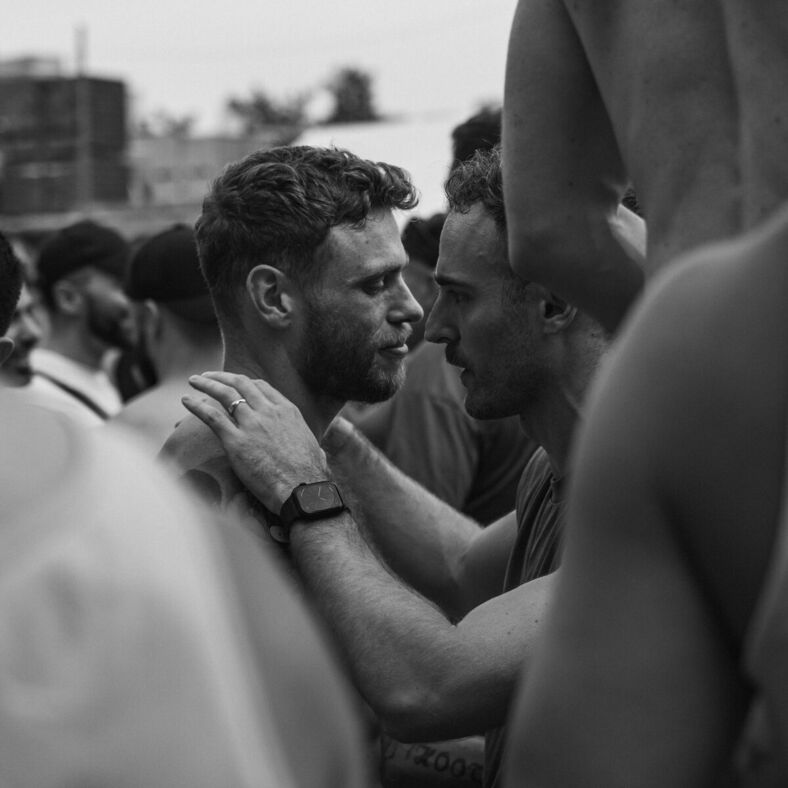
point(318, 497)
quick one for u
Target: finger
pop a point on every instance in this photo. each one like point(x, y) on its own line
point(215, 418)
point(255, 392)
point(223, 394)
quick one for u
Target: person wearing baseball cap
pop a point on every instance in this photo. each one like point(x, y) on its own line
point(178, 328)
point(80, 274)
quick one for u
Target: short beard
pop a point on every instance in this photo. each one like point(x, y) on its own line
point(107, 329)
point(337, 363)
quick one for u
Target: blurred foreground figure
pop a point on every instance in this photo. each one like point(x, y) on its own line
point(141, 645)
point(685, 99)
point(653, 645)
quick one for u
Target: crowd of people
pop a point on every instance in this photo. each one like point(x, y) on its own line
point(296, 497)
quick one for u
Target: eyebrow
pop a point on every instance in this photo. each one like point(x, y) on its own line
point(391, 268)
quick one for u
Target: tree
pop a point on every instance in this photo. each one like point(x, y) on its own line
point(165, 124)
point(352, 93)
point(260, 111)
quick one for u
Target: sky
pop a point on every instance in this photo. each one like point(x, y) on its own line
point(186, 58)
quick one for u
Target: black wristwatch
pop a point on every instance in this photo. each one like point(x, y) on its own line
point(312, 501)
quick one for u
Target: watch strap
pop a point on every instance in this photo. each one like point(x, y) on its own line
point(292, 510)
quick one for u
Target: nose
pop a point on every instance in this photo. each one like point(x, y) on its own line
point(439, 328)
point(29, 332)
point(407, 309)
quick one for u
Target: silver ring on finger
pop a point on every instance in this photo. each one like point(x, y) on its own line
point(234, 404)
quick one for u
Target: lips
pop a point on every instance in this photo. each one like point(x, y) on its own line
point(400, 351)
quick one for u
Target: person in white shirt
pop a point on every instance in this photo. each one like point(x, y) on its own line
point(80, 275)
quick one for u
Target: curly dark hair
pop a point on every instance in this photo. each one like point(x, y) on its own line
point(478, 180)
point(278, 206)
point(481, 131)
point(11, 275)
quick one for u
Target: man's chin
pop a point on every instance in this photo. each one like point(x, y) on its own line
point(382, 388)
point(479, 408)
point(15, 376)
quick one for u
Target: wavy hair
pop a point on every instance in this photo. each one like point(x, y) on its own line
point(278, 206)
point(478, 180)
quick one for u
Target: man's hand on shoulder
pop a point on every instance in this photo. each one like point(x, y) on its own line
point(268, 443)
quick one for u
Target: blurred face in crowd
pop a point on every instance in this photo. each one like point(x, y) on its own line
point(487, 318)
point(108, 313)
point(25, 331)
point(357, 318)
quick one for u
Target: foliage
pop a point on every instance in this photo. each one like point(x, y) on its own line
point(353, 100)
point(164, 124)
point(260, 110)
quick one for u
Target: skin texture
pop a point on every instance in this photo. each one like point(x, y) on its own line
point(679, 483)
point(670, 95)
point(344, 354)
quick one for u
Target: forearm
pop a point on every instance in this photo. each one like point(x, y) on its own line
point(458, 762)
point(424, 677)
point(421, 538)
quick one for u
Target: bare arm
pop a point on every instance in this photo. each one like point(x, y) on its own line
point(440, 552)
point(563, 175)
point(426, 678)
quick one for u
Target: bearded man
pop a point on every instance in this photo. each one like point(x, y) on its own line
point(304, 262)
point(80, 276)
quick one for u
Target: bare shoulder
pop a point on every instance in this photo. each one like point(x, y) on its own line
point(197, 457)
point(687, 420)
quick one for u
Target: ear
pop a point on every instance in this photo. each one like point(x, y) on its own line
point(150, 322)
point(6, 346)
point(67, 297)
point(556, 313)
point(273, 294)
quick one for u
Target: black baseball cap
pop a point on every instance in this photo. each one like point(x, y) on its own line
point(166, 269)
point(85, 244)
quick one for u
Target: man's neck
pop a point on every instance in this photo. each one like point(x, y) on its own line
point(318, 413)
point(69, 342)
point(553, 426)
point(178, 362)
